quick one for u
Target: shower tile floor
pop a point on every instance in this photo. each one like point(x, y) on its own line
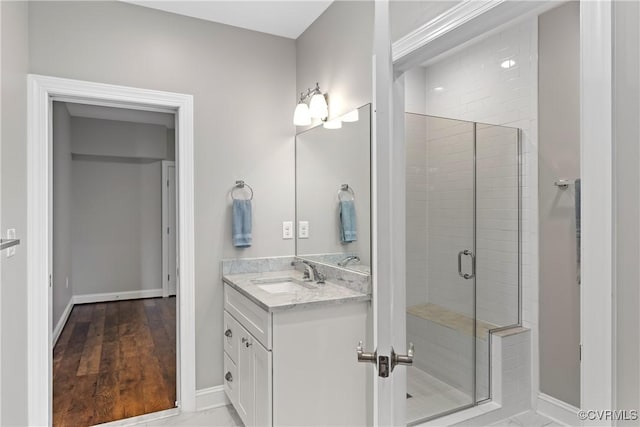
point(430, 396)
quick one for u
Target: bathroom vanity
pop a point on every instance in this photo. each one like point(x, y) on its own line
point(289, 350)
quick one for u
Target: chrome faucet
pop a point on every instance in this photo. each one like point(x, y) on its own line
point(311, 269)
point(348, 259)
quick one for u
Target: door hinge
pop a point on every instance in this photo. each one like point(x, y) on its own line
point(167, 183)
point(168, 277)
point(167, 230)
point(50, 280)
point(580, 352)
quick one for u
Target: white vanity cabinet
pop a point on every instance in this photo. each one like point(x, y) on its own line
point(295, 366)
point(247, 363)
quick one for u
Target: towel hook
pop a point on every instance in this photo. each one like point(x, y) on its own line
point(346, 188)
point(240, 185)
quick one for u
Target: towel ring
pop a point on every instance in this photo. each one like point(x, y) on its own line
point(345, 188)
point(241, 185)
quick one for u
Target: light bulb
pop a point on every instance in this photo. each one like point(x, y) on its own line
point(333, 124)
point(318, 106)
point(352, 116)
point(301, 116)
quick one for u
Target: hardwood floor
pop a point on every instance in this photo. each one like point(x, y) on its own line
point(115, 360)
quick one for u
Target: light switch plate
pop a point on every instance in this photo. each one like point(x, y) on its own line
point(287, 229)
point(303, 229)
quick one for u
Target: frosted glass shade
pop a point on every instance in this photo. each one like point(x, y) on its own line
point(318, 106)
point(333, 124)
point(352, 116)
point(301, 116)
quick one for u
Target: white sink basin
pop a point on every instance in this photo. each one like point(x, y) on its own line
point(282, 285)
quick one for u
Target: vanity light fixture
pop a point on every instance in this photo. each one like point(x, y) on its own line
point(317, 108)
point(509, 63)
point(332, 124)
point(350, 117)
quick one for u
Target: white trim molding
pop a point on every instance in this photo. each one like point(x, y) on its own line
point(596, 133)
point(166, 164)
point(61, 322)
point(557, 410)
point(42, 90)
point(116, 296)
point(212, 397)
point(451, 19)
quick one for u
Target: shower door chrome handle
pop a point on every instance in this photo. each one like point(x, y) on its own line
point(473, 264)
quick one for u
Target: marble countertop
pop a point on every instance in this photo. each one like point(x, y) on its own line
point(327, 293)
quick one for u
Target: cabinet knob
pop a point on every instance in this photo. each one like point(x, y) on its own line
point(228, 333)
point(246, 342)
point(228, 377)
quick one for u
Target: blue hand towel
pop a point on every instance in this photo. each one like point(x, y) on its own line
point(241, 223)
point(578, 220)
point(348, 231)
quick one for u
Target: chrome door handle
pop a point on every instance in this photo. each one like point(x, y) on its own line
point(366, 357)
point(228, 333)
point(473, 264)
point(402, 359)
point(228, 377)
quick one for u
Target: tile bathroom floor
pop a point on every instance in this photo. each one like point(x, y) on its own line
point(528, 419)
point(227, 416)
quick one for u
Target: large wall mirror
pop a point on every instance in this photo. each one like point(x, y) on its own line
point(333, 192)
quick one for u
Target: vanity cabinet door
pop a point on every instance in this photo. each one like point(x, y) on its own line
point(262, 383)
point(245, 367)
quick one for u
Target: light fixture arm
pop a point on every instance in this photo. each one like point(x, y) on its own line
point(304, 96)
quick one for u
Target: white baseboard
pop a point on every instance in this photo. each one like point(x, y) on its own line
point(117, 296)
point(211, 397)
point(558, 410)
point(61, 322)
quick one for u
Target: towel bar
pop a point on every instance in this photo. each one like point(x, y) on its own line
point(346, 188)
point(564, 183)
point(240, 185)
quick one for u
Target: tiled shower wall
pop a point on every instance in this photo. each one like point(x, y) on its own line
point(472, 85)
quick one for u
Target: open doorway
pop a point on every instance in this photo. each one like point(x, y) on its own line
point(44, 91)
point(114, 263)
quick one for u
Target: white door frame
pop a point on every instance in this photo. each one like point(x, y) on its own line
point(166, 164)
point(42, 90)
point(445, 32)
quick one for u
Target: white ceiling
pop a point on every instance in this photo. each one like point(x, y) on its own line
point(121, 114)
point(286, 18)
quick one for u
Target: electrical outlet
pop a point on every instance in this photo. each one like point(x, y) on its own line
point(11, 234)
point(287, 229)
point(303, 229)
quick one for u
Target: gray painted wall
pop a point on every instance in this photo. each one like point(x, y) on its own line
point(336, 51)
point(117, 223)
point(559, 157)
point(117, 138)
point(243, 84)
point(626, 75)
point(408, 15)
point(15, 65)
point(62, 208)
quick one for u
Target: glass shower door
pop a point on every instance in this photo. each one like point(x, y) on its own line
point(440, 269)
